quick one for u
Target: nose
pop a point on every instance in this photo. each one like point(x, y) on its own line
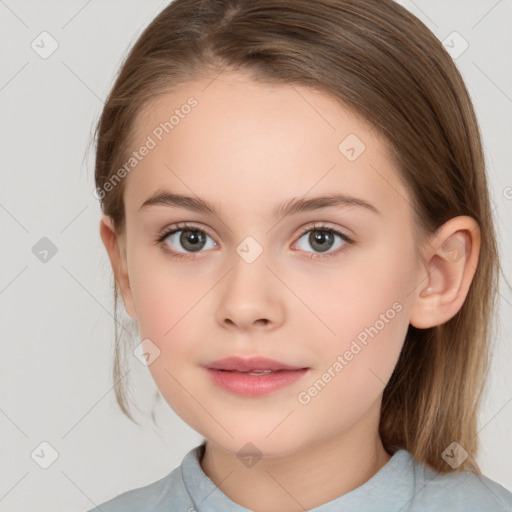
point(250, 297)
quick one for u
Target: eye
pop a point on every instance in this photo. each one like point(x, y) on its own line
point(189, 237)
point(322, 239)
point(193, 240)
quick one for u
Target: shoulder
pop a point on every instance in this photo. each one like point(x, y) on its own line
point(153, 497)
point(464, 491)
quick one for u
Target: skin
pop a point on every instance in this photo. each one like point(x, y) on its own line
point(247, 147)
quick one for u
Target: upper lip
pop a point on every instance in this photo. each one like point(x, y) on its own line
point(249, 364)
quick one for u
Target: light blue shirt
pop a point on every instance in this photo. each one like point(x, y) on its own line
point(401, 485)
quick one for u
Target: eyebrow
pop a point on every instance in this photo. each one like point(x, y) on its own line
point(288, 207)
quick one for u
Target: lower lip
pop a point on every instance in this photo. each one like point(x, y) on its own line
point(255, 385)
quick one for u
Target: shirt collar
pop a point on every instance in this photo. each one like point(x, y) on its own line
point(391, 485)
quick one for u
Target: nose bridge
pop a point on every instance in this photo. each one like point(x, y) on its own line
point(249, 272)
point(248, 294)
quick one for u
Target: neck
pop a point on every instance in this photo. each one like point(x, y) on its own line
point(302, 480)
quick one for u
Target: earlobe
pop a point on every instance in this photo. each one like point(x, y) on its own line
point(452, 258)
point(115, 247)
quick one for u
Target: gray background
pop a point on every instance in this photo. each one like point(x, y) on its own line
point(56, 316)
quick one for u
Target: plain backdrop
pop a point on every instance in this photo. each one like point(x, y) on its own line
point(56, 300)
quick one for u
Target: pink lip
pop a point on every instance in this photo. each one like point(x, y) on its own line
point(248, 364)
point(224, 374)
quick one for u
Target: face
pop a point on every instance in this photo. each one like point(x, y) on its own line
point(326, 288)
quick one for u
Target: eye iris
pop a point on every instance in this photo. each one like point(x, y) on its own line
point(192, 237)
point(318, 240)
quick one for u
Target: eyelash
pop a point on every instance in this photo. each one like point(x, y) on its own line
point(166, 232)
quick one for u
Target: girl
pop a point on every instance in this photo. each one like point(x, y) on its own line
point(296, 211)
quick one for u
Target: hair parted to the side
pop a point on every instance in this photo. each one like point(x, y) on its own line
point(387, 66)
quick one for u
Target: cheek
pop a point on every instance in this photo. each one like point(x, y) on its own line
point(170, 301)
point(366, 310)
point(165, 294)
point(168, 305)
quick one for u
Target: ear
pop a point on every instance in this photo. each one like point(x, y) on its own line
point(116, 248)
point(451, 259)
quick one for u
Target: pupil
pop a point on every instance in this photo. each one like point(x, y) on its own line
point(319, 239)
point(191, 238)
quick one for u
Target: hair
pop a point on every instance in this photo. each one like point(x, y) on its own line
point(383, 63)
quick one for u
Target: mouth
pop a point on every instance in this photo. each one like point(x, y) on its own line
point(253, 377)
point(255, 372)
point(250, 365)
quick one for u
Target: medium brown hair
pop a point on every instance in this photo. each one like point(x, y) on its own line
point(382, 62)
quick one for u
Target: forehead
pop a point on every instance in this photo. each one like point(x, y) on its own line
point(232, 139)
